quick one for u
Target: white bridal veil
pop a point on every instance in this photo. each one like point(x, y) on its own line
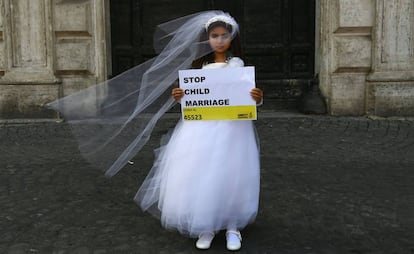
point(113, 120)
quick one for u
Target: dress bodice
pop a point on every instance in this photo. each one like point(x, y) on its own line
point(233, 62)
point(215, 65)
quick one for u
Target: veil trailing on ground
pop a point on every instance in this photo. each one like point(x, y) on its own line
point(113, 120)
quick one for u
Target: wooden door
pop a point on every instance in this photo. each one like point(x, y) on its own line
point(277, 37)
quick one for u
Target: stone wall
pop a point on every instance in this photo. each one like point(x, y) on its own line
point(390, 88)
point(52, 48)
point(366, 56)
point(48, 49)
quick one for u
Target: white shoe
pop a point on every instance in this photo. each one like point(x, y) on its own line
point(204, 240)
point(233, 238)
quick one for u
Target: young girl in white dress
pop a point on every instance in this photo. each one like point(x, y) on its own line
point(206, 177)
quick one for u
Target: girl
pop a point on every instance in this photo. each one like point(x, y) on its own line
point(206, 178)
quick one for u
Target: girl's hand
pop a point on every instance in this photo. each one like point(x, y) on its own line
point(257, 95)
point(177, 94)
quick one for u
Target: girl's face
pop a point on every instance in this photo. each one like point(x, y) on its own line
point(220, 39)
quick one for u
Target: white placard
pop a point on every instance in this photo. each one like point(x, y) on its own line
point(218, 94)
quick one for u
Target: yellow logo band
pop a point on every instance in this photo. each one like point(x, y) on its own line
point(220, 113)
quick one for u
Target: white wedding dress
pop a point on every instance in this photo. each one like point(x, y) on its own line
point(206, 177)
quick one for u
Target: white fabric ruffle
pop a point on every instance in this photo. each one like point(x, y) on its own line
point(206, 178)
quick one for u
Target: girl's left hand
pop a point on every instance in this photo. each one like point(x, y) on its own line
point(257, 95)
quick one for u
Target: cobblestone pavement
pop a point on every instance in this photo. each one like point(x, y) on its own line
point(329, 185)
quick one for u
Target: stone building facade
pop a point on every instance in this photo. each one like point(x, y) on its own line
point(49, 49)
point(364, 54)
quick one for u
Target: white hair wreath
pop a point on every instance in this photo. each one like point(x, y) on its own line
point(223, 18)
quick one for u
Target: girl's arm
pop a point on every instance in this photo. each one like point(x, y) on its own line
point(257, 95)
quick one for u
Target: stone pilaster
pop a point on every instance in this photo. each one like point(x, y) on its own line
point(27, 60)
point(49, 49)
point(391, 81)
point(345, 53)
point(80, 33)
point(2, 44)
point(28, 39)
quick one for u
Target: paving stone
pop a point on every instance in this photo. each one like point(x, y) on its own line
point(328, 185)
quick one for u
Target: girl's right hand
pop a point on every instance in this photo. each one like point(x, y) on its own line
point(177, 94)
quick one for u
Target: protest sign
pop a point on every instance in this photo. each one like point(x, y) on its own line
point(218, 94)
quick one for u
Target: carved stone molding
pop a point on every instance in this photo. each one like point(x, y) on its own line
point(28, 33)
point(2, 47)
point(80, 38)
point(28, 42)
point(393, 58)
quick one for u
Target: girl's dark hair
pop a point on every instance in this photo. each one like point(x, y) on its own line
point(235, 49)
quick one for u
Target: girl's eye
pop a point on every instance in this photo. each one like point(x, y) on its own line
point(222, 36)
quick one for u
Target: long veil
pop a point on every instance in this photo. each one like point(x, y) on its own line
point(113, 120)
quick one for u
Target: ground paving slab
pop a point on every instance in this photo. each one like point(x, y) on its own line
point(328, 185)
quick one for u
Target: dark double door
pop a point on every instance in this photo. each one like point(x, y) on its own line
point(277, 38)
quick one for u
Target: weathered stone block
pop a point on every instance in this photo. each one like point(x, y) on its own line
point(352, 51)
point(19, 101)
point(74, 54)
point(354, 13)
point(390, 98)
point(397, 33)
point(348, 95)
point(73, 85)
point(73, 16)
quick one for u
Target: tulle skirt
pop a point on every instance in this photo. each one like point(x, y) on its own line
point(205, 179)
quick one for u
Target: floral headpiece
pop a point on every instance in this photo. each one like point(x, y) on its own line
point(223, 18)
